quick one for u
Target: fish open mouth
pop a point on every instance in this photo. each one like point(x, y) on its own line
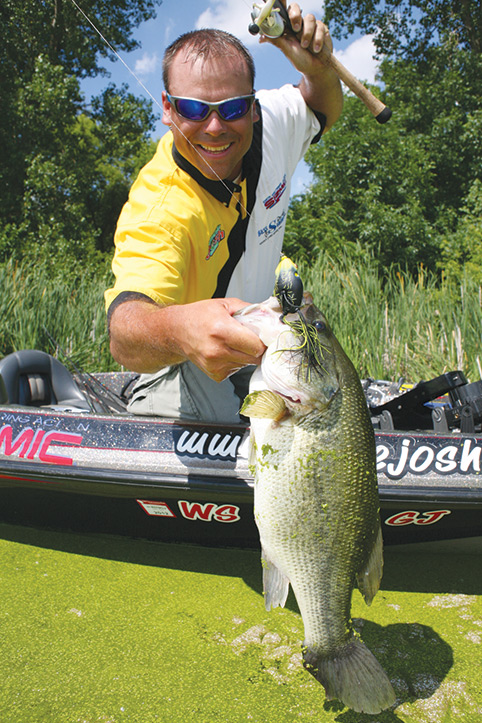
point(280, 377)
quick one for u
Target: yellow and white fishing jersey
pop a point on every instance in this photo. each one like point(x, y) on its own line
point(182, 238)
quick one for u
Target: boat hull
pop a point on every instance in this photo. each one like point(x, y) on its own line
point(162, 480)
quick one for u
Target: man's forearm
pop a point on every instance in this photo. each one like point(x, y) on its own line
point(146, 337)
point(140, 337)
point(322, 92)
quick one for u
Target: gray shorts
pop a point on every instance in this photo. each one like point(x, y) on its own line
point(183, 391)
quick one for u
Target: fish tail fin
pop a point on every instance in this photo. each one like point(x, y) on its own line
point(354, 676)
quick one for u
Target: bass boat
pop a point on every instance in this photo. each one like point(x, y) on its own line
point(73, 458)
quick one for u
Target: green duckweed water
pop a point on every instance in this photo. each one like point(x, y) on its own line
point(109, 630)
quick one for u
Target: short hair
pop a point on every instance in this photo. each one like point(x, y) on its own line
point(206, 43)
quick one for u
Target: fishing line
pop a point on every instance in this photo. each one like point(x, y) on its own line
point(155, 101)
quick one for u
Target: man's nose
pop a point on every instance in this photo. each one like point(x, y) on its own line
point(214, 124)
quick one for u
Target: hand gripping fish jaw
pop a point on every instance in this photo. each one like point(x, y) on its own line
point(288, 287)
point(269, 18)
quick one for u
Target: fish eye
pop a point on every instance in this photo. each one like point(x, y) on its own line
point(319, 325)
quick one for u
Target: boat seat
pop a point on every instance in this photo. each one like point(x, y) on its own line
point(33, 378)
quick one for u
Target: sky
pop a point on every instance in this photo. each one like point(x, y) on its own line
point(175, 17)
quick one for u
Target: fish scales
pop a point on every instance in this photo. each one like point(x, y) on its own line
point(310, 476)
point(316, 499)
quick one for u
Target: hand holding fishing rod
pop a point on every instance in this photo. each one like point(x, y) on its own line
point(271, 19)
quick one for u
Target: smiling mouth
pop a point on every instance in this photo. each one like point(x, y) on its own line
point(215, 149)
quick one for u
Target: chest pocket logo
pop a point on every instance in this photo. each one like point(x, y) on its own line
point(214, 241)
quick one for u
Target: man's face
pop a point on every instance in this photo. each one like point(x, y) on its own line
point(214, 146)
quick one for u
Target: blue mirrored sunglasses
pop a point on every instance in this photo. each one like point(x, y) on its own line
point(198, 110)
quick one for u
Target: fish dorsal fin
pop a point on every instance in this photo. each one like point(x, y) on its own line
point(264, 405)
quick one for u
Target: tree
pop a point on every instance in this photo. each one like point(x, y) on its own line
point(376, 184)
point(409, 28)
point(58, 30)
point(461, 251)
point(399, 189)
point(69, 164)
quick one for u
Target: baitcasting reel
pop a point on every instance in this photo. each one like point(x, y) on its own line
point(270, 19)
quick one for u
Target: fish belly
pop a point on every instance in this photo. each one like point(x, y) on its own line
point(310, 527)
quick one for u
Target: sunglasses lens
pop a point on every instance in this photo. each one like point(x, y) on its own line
point(196, 110)
point(235, 108)
point(192, 109)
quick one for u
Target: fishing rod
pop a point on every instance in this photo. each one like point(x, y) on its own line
point(271, 19)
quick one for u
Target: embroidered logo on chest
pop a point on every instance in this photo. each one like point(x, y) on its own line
point(276, 195)
point(214, 241)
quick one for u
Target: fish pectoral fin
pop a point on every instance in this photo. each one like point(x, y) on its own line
point(369, 577)
point(264, 405)
point(275, 584)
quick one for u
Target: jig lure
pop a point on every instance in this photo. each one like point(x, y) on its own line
point(288, 287)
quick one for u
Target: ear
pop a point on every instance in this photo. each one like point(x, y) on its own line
point(166, 109)
point(256, 115)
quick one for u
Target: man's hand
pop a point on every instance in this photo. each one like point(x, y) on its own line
point(146, 337)
point(214, 341)
point(311, 35)
point(320, 86)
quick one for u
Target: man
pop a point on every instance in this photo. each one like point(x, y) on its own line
point(201, 233)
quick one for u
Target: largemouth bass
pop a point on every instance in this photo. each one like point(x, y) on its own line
point(316, 497)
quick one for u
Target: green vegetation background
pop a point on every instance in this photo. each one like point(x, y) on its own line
point(391, 324)
point(389, 235)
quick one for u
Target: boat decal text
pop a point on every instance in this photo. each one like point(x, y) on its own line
point(35, 444)
point(411, 517)
point(208, 444)
point(204, 512)
point(208, 511)
point(42, 421)
point(408, 456)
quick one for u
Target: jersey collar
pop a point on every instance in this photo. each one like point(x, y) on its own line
point(221, 190)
